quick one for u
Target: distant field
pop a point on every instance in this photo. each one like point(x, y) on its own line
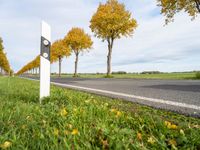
point(76, 120)
point(139, 76)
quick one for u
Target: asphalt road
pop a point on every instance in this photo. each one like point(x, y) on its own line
point(182, 96)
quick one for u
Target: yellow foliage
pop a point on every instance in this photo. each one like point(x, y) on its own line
point(78, 40)
point(112, 20)
point(59, 49)
point(171, 7)
point(32, 64)
point(4, 64)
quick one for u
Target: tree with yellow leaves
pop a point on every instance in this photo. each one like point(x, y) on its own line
point(4, 64)
point(171, 7)
point(78, 41)
point(58, 50)
point(110, 22)
point(34, 64)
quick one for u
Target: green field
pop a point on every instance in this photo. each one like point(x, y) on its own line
point(178, 76)
point(76, 120)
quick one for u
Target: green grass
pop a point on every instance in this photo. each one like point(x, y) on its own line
point(76, 120)
point(177, 76)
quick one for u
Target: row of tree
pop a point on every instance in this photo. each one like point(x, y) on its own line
point(76, 41)
point(4, 63)
point(111, 21)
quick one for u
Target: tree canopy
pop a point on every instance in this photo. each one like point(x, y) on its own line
point(59, 49)
point(78, 40)
point(35, 63)
point(171, 7)
point(112, 20)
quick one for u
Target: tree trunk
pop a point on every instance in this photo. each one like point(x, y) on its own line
point(76, 64)
point(60, 61)
point(109, 57)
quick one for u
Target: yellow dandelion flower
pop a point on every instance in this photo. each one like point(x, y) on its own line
point(139, 136)
point(75, 132)
point(170, 125)
point(56, 132)
point(6, 145)
point(151, 140)
point(167, 123)
point(63, 112)
point(173, 126)
point(118, 114)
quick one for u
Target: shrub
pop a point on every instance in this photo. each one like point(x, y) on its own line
point(151, 72)
point(198, 75)
point(108, 76)
point(119, 72)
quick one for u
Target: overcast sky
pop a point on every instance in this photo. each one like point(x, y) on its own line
point(175, 47)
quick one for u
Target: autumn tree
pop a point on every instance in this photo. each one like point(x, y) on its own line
point(1, 44)
point(112, 21)
point(171, 7)
point(4, 63)
point(1, 55)
point(37, 63)
point(78, 41)
point(59, 49)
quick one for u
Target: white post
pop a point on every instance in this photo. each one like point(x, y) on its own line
point(45, 61)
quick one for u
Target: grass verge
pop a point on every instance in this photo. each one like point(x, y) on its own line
point(77, 120)
point(175, 76)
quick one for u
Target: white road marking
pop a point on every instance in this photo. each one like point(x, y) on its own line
point(161, 101)
point(131, 96)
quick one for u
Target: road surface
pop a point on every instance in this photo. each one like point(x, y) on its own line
point(182, 96)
